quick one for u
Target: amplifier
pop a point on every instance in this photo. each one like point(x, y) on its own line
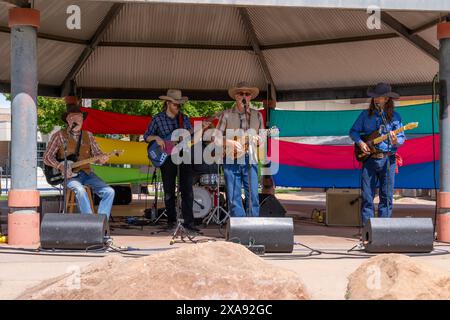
point(343, 208)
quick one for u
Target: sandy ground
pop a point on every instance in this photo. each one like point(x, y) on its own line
point(324, 276)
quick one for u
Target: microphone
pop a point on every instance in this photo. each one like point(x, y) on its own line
point(244, 102)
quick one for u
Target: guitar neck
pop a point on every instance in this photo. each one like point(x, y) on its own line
point(385, 136)
point(88, 161)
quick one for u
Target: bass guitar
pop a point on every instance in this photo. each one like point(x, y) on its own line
point(158, 155)
point(375, 138)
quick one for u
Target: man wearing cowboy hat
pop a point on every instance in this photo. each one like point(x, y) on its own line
point(72, 136)
point(380, 167)
point(240, 174)
point(160, 129)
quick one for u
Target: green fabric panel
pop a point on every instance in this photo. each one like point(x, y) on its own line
point(338, 123)
point(112, 175)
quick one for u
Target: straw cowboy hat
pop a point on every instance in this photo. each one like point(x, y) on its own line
point(382, 90)
point(174, 95)
point(72, 108)
point(243, 86)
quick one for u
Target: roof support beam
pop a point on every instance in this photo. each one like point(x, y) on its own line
point(329, 41)
point(407, 34)
point(175, 46)
point(404, 90)
point(43, 89)
point(257, 48)
point(18, 3)
point(360, 92)
point(426, 26)
point(93, 43)
point(47, 36)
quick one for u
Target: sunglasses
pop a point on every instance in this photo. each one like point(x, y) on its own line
point(247, 94)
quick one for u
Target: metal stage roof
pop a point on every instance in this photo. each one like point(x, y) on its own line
point(305, 49)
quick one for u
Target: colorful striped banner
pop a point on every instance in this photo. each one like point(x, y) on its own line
point(413, 151)
point(102, 122)
point(338, 123)
point(416, 176)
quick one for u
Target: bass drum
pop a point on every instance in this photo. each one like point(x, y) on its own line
point(203, 202)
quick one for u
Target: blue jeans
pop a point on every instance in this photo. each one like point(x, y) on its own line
point(105, 192)
point(236, 176)
point(376, 171)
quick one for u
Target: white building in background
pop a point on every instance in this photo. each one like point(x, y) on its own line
point(5, 149)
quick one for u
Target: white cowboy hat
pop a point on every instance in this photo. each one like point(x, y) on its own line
point(174, 95)
point(243, 86)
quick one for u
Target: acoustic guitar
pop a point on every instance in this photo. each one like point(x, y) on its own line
point(55, 177)
point(375, 138)
point(232, 152)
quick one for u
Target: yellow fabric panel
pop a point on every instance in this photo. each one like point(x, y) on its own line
point(413, 102)
point(135, 153)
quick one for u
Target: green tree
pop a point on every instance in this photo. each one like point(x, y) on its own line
point(49, 113)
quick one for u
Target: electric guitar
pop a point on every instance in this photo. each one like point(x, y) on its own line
point(374, 138)
point(55, 177)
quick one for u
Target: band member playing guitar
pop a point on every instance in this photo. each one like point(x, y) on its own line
point(237, 173)
point(160, 129)
point(82, 143)
point(380, 165)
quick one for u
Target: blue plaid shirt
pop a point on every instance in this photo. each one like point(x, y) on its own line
point(366, 125)
point(162, 125)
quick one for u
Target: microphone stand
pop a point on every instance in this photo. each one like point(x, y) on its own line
point(65, 177)
point(383, 118)
point(65, 171)
point(249, 166)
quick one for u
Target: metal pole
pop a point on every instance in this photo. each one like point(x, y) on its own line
point(23, 222)
point(443, 218)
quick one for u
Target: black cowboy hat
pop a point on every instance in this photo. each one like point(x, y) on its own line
point(73, 108)
point(382, 90)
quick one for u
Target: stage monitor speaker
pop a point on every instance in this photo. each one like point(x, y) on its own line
point(123, 195)
point(269, 206)
point(407, 235)
point(73, 231)
point(343, 207)
point(275, 234)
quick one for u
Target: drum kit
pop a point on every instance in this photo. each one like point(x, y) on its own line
point(209, 197)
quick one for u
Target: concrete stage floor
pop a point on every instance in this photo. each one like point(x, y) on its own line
point(325, 276)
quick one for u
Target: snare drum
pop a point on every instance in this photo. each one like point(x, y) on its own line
point(211, 180)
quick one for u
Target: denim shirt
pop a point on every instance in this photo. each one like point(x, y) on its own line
point(365, 125)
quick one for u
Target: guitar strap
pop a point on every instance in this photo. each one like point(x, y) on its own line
point(180, 120)
point(77, 150)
